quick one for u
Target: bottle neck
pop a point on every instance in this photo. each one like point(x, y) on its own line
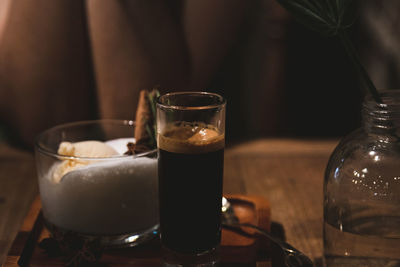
point(382, 118)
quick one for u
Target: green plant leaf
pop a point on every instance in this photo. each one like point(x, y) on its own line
point(327, 17)
point(151, 127)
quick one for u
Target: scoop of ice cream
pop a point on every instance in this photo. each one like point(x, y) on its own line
point(88, 149)
point(66, 166)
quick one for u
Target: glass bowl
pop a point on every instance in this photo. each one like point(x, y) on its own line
point(111, 198)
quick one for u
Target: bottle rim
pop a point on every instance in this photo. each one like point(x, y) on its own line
point(390, 105)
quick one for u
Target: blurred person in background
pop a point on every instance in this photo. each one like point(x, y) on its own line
point(67, 60)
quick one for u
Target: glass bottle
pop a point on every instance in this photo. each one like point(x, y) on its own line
point(362, 190)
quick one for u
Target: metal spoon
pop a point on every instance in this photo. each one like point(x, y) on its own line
point(293, 257)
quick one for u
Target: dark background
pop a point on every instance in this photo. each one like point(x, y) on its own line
point(280, 78)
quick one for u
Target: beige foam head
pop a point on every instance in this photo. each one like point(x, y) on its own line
point(191, 138)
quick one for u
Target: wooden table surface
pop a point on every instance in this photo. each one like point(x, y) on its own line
point(288, 172)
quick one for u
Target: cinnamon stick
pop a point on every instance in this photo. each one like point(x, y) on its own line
point(145, 121)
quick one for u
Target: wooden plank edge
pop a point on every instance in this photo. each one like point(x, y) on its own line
point(25, 241)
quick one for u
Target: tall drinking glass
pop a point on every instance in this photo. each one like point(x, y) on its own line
point(191, 140)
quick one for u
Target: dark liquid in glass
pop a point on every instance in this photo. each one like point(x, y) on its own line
point(190, 187)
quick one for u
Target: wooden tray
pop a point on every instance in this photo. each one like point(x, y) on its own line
point(236, 249)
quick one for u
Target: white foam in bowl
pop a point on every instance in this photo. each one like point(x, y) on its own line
point(110, 197)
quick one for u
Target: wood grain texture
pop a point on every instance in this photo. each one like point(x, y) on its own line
point(18, 187)
point(290, 174)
